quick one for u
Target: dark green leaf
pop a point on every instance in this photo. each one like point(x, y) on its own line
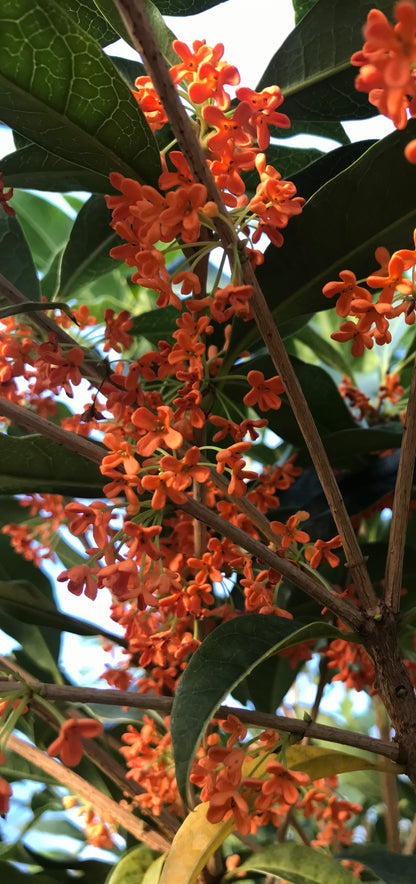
point(26, 603)
point(35, 167)
point(318, 173)
point(321, 128)
point(74, 102)
point(36, 464)
point(301, 8)
point(87, 16)
point(16, 261)
point(45, 226)
point(340, 227)
point(298, 864)
point(87, 255)
point(222, 661)
point(346, 446)
point(185, 7)
point(392, 868)
point(313, 66)
point(155, 325)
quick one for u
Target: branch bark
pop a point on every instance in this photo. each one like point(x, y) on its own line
point(75, 694)
point(135, 20)
point(401, 502)
point(105, 807)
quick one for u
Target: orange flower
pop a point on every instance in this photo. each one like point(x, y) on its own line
point(5, 196)
point(360, 340)
point(346, 291)
point(289, 532)
point(181, 218)
point(322, 550)
point(68, 745)
point(261, 112)
point(159, 430)
point(263, 393)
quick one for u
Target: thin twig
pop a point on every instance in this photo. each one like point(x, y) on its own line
point(401, 502)
point(143, 39)
point(93, 369)
point(105, 807)
point(33, 422)
point(163, 705)
point(388, 783)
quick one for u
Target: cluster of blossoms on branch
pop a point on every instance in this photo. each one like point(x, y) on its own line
point(156, 415)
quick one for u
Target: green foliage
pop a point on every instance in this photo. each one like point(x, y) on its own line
point(225, 658)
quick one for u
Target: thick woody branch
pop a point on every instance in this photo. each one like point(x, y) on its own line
point(105, 807)
point(163, 705)
point(143, 39)
point(401, 502)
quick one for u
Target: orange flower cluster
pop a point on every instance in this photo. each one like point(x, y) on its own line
point(387, 62)
point(144, 216)
point(226, 776)
point(149, 760)
point(396, 296)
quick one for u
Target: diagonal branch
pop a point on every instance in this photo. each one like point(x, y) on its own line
point(105, 807)
point(401, 502)
point(143, 39)
point(343, 608)
point(163, 705)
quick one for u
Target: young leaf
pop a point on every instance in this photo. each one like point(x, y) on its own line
point(221, 662)
point(45, 226)
point(318, 762)
point(193, 845)
point(131, 868)
point(298, 864)
point(75, 102)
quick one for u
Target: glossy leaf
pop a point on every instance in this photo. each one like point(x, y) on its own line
point(301, 8)
point(313, 65)
point(86, 256)
point(152, 874)
point(155, 325)
point(221, 662)
point(326, 167)
point(340, 228)
point(392, 868)
point(193, 845)
point(75, 102)
point(45, 226)
point(16, 260)
point(131, 868)
point(27, 604)
point(318, 762)
point(35, 167)
point(185, 7)
point(297, 864)
point(36, 464)
point(88, 17)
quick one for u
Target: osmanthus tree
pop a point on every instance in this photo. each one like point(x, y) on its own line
point(220, 434)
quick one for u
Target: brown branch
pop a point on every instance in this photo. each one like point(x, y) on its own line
point(135, 20)
point(163, 705)
point(105, 807)
point(34, 423)
point(388, 783)
point(343, 608)
point(401, 502)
